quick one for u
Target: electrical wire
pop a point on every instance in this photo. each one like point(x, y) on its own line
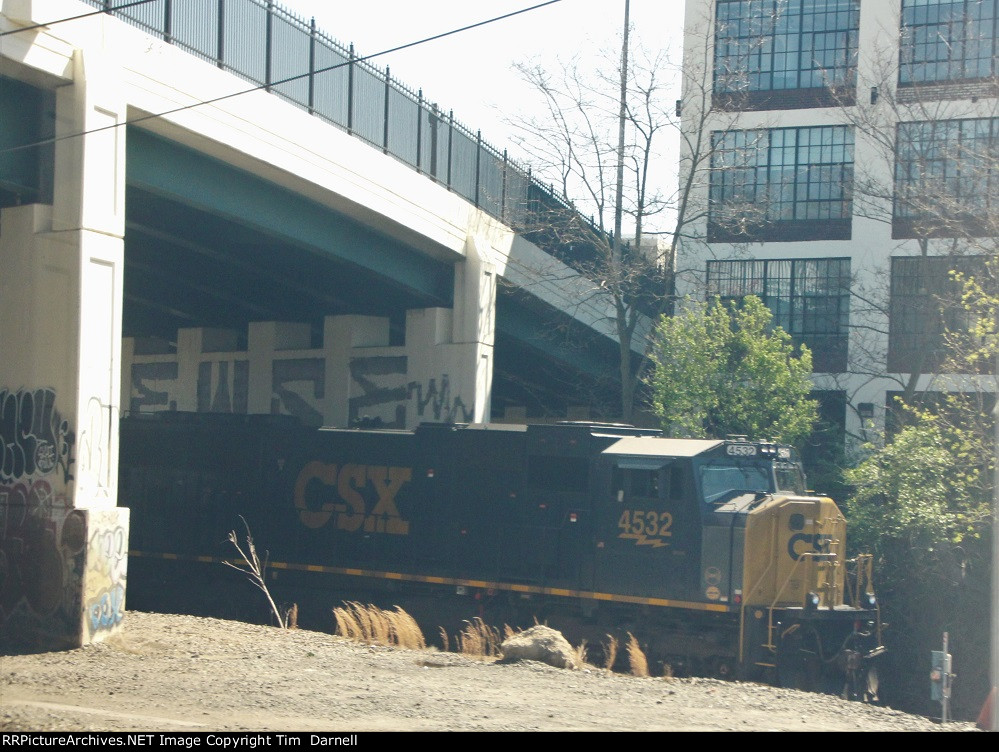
point(526, 269)
point(47, 24)
point(272, 84)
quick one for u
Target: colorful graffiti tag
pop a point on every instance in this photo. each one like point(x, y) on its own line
point(107, 567)
point(48, 567)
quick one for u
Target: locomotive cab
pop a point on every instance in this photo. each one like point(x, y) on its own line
point(804, 614)
point(727, 527)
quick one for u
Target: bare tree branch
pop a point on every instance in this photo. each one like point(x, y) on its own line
point(254, 569)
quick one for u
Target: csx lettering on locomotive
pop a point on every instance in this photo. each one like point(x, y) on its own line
point(342, 493)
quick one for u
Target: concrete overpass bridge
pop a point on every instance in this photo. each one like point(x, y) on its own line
point(187, 222)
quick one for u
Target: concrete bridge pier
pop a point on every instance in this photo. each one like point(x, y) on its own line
point(63, 540)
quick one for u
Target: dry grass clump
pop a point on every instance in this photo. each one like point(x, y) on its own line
point(376, 626)
point(580, 653)
point(445, 642)
point(636, 658)
point(610, 652)
point(478, 639)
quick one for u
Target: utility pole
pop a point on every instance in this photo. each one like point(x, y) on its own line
point(994, 615)
point(622, 117)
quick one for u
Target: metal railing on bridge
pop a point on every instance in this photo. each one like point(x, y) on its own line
point(272, 47)
point(269, 46)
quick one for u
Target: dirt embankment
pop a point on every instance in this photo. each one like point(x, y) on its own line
point(183, 673)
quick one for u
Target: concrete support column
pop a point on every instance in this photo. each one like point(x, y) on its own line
point(346, 401)
point(64, 544)
point(450, 352)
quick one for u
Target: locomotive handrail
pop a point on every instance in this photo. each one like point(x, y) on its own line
point(762, 577)
point(864, 582)
point(863, 576)
point(808, 555)
point(823, 522)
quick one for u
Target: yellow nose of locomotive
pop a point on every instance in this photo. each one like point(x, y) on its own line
point(795, 553)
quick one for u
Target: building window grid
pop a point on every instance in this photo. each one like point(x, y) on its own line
point(948, 40)
point(809, 299)
point(772, 45)
point(925, 302)
point(792, 173)
point(950, 163)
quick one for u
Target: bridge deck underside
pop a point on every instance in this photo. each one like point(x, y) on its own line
point(207, 245)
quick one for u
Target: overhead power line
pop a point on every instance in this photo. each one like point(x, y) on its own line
point(143, 118)
point(47, 24)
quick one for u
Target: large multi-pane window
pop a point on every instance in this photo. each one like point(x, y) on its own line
point(781, 184)
point(946, 178)
point(925, 303)
point(809, 299)
point(948, 40)
point(766, 46)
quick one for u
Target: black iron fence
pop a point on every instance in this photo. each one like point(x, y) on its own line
point(269, 46)
point(272, 47)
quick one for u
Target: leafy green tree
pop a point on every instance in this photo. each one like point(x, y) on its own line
point(921, 503)
point(926, 488)
point(721, 370)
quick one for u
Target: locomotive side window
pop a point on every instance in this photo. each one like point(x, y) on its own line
point(664, 483)
point(644, 484)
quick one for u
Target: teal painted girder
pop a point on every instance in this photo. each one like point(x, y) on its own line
point(539, 327)
point(26, 117)
point(158, 167)
point(181, 174)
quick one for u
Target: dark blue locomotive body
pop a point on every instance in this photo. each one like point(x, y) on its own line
point(595, 528)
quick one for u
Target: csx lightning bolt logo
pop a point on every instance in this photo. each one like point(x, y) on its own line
point(646, 527)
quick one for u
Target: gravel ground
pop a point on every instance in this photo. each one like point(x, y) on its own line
point(183, 673)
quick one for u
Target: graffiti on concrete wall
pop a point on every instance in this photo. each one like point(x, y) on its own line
point(444, 407)
point(94, 453)
point(382, 382)
point(297, 388)
point(35, 536)
point(42, 540)
point(34, 438)
point(153, 387)
point(107, 566)
point(385, 392)
point(223, 386)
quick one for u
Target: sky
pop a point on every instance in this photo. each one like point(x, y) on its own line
point(471, 72)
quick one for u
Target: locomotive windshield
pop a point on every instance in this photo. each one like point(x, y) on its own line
point(723, 480)
point(790, 477)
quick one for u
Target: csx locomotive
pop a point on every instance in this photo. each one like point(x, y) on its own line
point(711, 552)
